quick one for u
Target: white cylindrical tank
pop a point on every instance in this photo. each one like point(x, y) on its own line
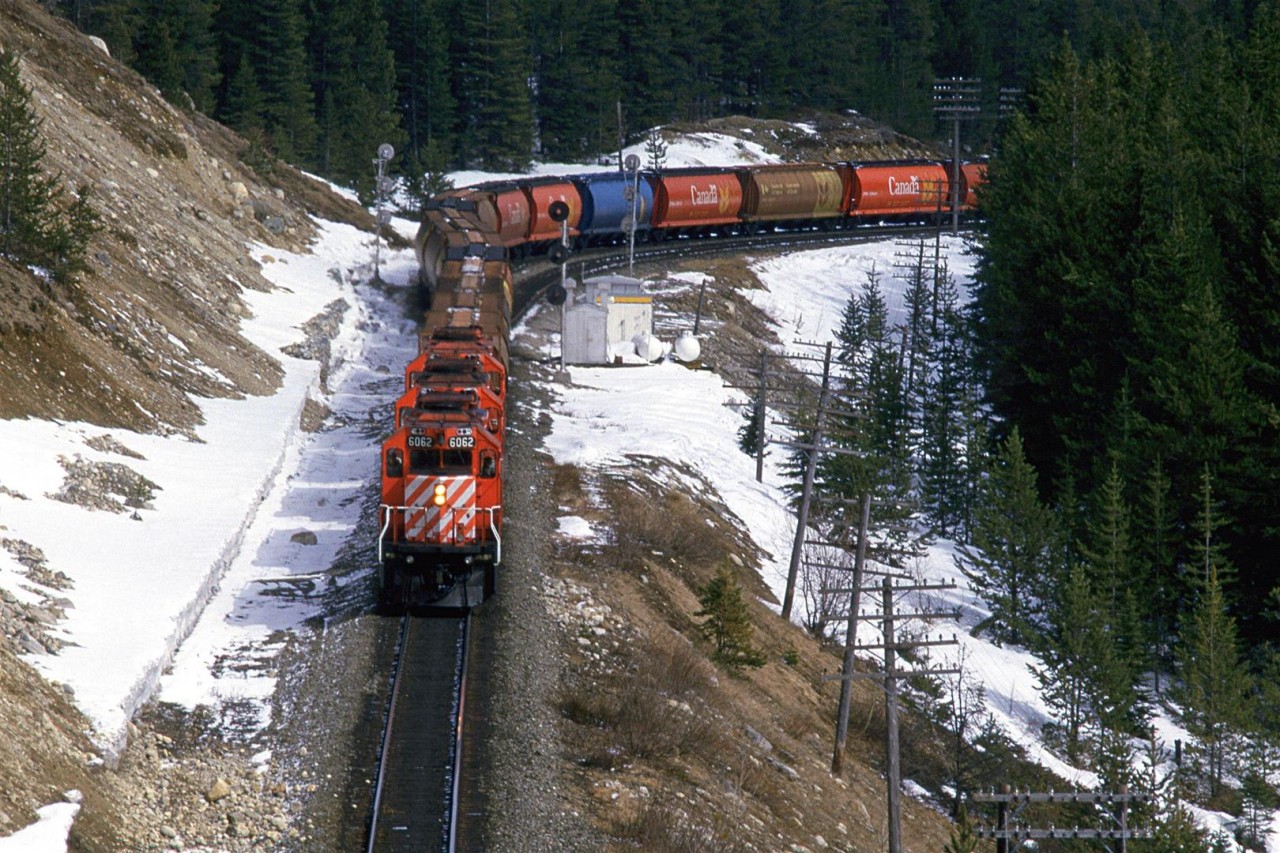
point(687, 347)
point(650, 348)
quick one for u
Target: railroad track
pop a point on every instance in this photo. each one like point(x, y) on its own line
point(421, 763)
point(535, 274)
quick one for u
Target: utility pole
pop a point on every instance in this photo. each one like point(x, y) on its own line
point(851, 635)
point(559, 211)
point(890, 677)
point(760, 414)
point(622, 138)
point(1009, 804)
point(956, 98)
point(702, 291)
point(806, 495)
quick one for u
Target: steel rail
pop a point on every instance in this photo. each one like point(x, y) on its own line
point(460, 717)
point(386, 733)
point(396, 745)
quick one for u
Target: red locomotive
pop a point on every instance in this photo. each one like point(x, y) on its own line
point(440, 537)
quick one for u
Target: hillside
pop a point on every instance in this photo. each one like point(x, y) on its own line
point(151, 328)
point(155, 318)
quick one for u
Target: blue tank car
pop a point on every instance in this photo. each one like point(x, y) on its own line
point(605, 206)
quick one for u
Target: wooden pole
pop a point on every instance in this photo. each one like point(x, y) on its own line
point(1002, 823)
point(1124, 820)
point(891, 721)
point(806, 496)
point(760, 418)
point(850, 637)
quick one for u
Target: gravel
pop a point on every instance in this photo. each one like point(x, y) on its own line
point(531, 806)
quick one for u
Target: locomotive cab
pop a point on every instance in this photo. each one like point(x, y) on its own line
point(441, 513)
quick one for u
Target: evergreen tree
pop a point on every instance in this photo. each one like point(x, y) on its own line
point(355, 87)
point(68, 239)
point(1010, 546)
point(869, 388)
point(418, 34)
point(37, 225)
point(1068, 679)
point(949, 403)
point(696, 38)
point(649, 71)
point(1215, 682)
point(753, 56)
point(655, 150)
point(749, 432)
point(963, 837)
point(1207, 552)
point(243, 105)
point(1108, 555)
point(271, 35)
point(1109, 550)
point(577, 79)
point(973, 462)
point(157, 52)
point(1175, 831)
point(1156, 546)
point(492, 87)
point(27, 196)
point(176, 51)
point(905, 97)
point(1139, 315)
point(115, 22)
point(426, 173)
point(728, 623)
point(1262, 750)
point(1046, 291)
point(1259, 803)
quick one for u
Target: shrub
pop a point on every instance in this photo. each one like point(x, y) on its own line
point(728, 623)
point(652, 711)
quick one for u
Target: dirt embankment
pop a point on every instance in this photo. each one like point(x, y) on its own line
point(151, 324)
point(155, 316)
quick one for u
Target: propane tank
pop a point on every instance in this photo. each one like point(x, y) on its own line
point(650, 348)
point(687, 347)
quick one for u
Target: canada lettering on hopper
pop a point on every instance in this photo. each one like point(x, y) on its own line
point(711, 195)
point(911, 187)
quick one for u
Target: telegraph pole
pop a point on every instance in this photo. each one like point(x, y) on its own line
point(1009, 835)
point(631, 193)
point(850, 637)
point(806, 495)
point(760, 414)
point(956, 98)
point(890, 677)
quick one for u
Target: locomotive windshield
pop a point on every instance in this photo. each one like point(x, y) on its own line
point(439, 460)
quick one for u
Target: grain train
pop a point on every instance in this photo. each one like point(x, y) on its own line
point(440, 522)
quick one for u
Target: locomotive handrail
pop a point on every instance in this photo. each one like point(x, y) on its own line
point(382, 534)
point(497, 537)
point(493, 526)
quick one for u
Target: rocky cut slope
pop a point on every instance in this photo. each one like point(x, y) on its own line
point(155, 317)
point(145, 332)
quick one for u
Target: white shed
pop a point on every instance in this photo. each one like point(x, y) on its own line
point(602, 316)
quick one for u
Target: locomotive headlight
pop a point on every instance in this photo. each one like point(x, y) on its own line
point(438, 500)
